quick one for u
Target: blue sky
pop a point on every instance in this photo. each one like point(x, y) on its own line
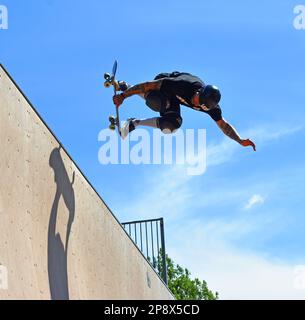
point(241, 225)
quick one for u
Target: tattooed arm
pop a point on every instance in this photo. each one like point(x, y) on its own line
point(229, 131)
point(143, 88)
point(140, 89)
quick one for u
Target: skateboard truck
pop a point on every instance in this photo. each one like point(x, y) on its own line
point(113, 122)
point(110, 81)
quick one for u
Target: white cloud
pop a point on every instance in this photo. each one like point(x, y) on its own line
point(205, 245)
point(271, 132)
point(234, 273)
point(168, 193)
point(224, 151)
point(255, 199)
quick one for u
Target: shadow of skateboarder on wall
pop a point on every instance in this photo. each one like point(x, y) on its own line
point(57, 249)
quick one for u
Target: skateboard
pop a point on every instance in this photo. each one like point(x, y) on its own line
point(111, 81)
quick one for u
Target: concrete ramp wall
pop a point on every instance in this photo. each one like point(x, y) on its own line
point(58, 239)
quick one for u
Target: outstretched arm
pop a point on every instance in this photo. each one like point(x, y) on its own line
point(229, 131)
point(140, 89)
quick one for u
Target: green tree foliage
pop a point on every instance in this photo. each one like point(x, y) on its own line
point(181, 284)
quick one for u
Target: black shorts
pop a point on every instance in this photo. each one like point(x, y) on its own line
point(158, 102)
point(169, 109)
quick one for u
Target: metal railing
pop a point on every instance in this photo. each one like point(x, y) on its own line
point(148, 235)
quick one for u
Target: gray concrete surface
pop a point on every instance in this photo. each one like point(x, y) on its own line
point(58, 239)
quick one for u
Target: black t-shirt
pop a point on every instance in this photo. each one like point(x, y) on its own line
point(183, 86)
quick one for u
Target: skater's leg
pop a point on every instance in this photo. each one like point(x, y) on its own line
point(152, 122)
point(169, 122)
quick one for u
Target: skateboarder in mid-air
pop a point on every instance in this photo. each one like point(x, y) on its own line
point(166, 93)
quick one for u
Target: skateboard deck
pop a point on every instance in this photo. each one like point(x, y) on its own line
point(111, 81)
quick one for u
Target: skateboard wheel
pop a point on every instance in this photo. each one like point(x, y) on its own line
point(107, 84)
point(112, 127)
point(107, 76)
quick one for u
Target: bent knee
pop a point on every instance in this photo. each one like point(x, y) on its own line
point(170, 124)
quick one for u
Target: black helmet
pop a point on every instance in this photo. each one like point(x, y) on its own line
point(209, 96)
